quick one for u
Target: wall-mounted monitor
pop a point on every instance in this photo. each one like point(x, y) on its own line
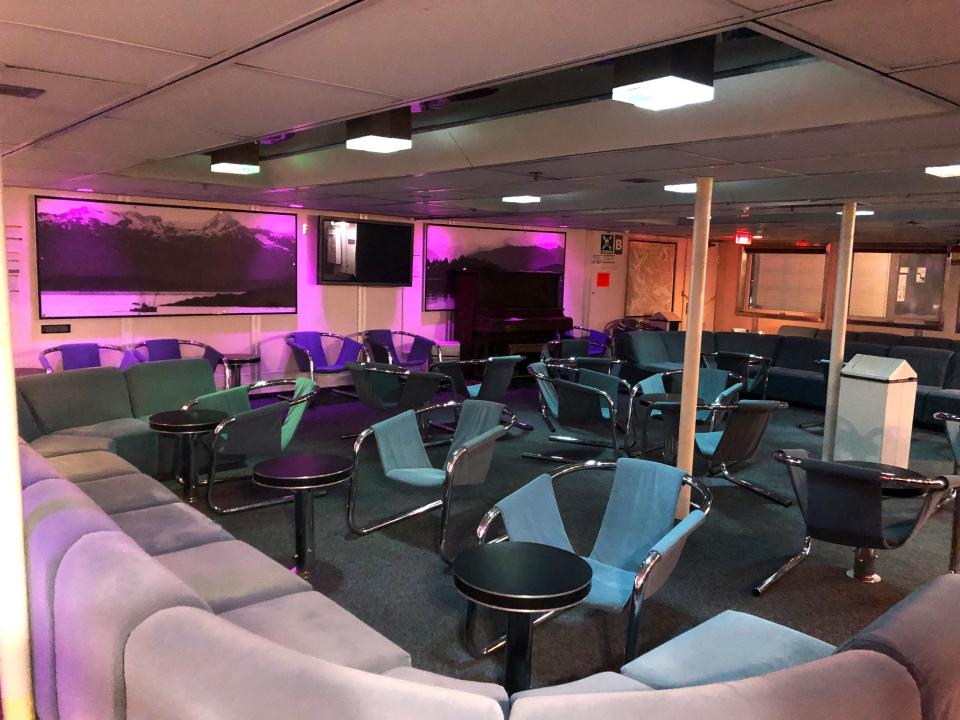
point(365, 252)
point(117, 259)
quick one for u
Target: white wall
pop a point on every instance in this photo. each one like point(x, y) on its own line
point(341, 309)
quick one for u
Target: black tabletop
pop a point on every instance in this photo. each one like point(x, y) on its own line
point(292, 472)
point(186, 421)
point(241, 358)
point(521, 576)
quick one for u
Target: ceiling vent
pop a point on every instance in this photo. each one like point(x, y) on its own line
point(21, 91)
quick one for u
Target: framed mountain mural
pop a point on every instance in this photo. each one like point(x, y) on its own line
point(118, 259)
point(450, 248)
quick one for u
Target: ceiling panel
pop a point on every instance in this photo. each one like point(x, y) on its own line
point(72, 163)
point(422, 48)
point(866, 162)
point(42, 49)
point(145, 140)
point(720, 173)
point(201, 27)
point(887, 35)
point(21, 121)
point(249, 103)
point(942, 80)
point(64, 93)
point(637, 162)
point(24, 177)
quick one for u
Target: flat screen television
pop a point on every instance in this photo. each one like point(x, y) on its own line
point(365, 252)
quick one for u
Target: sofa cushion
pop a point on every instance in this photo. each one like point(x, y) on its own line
point(490, 690)
point(62, 400)
point(56, 514)
point(934, 400)
point(231, 574)
point(105, 588)
point(167, 384)
point(930, 364)
point(85, 466)
point(34, 467)
point(313, 624)
point(824, 334)
point(801, 353)
point(132, 439)
point(640, 347)
point(122, 493)
point(862, 348)
point(920, 632)
point(168, 528)
point(605, 682)
point(59, 443)
point(27, 424)
point(728, 646)
point(930, 342)
point(791, 385)
point(880, 338)
point(797, 331)
point(764, 345)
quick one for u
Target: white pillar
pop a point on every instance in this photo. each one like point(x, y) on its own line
point(691, 351)
point(843, 262)
point(15, 683)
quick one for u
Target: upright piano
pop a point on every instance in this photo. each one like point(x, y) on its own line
point(498, 313)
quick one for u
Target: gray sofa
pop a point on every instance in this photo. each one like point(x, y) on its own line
point(794, 375)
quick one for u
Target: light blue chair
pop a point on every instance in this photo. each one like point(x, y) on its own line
point(951, 426)
point(637, 547)
point(404, 460)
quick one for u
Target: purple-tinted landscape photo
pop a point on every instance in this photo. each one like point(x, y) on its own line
point(111, 259)
point(472, 248)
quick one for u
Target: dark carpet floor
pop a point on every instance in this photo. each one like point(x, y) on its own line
point(395, 581)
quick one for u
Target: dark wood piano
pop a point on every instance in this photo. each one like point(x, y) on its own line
point(501, 313)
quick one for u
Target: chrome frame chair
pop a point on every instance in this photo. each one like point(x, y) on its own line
point(221, 433)
point(498, 385)
point(951, 427)
point(654, 570)
point(306, 362)
point(389, 354)
point(603, 347)
point(865, 531)
point(550, 390)
point(210, 353)
point(481, 446)
point(408, 395)
point(740, 364)
point(48, 367)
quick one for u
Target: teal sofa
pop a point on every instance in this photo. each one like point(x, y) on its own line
point(106, 409)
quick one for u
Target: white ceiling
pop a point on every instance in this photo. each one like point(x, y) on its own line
point(134, 89)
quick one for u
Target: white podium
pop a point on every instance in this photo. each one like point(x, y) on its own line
point(875, 414)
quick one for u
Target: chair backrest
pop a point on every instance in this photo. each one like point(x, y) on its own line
point(254, 432)
point(952, 428)
point(378, 385)
point(478, 430)
point(419, 389)
point(453, 370)
point(310, 341)
point(548, 394)
point(579, 404)
point(605, 382)
point(381, 346)
point(843, 503)
point(652, 385)
point(162, 349)
point(574, 347)
point(399, 443)
point(599, 364)
point(232, 401)
point(298, 406)
point(712, 383)
point(476, 417)
point(350, 350)
point(497, 375)
point(420, 350)
point(73, 356)
point(745, 428)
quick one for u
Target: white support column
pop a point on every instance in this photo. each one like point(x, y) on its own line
point(15, 682)
point(843, 261)
point(694, 325)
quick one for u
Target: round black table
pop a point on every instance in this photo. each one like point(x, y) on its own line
point(188, 426)
point(521, 579)
point(304, 475)
point(233, 364)
point(865, 559)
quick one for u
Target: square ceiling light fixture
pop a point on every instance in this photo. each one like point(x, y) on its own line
point(944, 171)
point(668, 77)
point(385, 132)
point(237, 160)
point(521, 199)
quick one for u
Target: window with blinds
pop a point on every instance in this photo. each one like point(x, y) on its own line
point(898, 288)
point(783, 283)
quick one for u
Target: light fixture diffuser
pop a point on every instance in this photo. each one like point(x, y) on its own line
point(521, 199)
point(379, 144)
point(667, 77)
point(860, 212)
point(686, 188)
point(664, 93)
point(237, 160)
point(385, 132)
point(944, 171)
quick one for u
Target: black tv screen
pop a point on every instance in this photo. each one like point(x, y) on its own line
point(365, 253)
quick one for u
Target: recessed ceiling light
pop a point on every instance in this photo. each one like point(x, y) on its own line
point(944, 171)
point(296, 205)
point(84, 189)
point(522, 199)
point(687, 188)
point(861, 212)
point(234, 168)
point(386, 132)
point(664, 93)
point(237, 160)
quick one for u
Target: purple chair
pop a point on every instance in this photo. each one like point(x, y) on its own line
point(311, 356)
point(599, 342)
point(169, 349)
point(383, 350)
point(74, 356)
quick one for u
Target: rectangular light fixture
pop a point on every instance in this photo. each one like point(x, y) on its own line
point(385, 132)
point(687, 188)
point(944, 171)
point(522, 199)
point(668, 77)
point(860, 212)
point(237, 160)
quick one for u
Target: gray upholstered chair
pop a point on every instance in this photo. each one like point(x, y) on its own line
point(404, 460)
point(638, 544)
point(849, 505)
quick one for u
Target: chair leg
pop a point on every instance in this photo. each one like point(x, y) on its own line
point(785, 568)
point(468, 632)
point(633, 627)
point(754, 488)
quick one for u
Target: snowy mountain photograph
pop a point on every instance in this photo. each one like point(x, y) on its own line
point(109, 259)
